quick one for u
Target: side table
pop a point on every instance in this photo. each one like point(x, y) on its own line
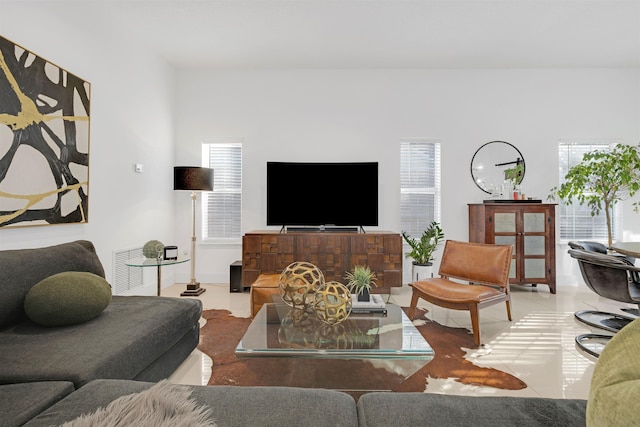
point(158, 263)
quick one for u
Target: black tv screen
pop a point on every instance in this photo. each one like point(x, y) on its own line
point(321, 194)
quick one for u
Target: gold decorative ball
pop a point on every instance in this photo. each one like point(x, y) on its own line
point(298, 283)
point(297, 329)
point(332, 303)
point(332, 337)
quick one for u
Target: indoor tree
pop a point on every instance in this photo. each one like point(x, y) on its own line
point(602, 179)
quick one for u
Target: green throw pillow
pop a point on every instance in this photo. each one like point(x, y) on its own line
point(615, 384)
point(67, 299)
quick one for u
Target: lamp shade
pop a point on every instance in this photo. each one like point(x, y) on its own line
point(192, 178)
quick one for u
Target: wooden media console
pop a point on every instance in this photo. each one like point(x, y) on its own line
point(335, 253)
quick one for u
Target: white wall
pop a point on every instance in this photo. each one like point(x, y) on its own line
point(294, 115)
point(131, 122)
point(360, 115)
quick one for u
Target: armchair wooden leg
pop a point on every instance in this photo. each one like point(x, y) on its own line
point(414, 303)
point(475, 323)
point(508, 310)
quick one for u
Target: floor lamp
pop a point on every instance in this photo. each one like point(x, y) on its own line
point(193, 179)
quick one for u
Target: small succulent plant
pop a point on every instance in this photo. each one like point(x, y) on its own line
point(361, 279)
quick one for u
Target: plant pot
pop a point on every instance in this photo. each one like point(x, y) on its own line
point(364, 296)
point(421, 272)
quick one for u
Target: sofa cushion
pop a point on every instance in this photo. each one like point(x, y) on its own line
point(67, 298)
point(229, 405)
point(21, 269)
point(615, 384)
point(129, 336)
point(429, 409)
point(21, 402)
point(162, 405)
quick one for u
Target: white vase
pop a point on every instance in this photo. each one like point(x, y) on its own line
point(421, 271)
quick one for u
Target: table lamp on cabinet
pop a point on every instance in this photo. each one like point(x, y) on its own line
point(194, 179)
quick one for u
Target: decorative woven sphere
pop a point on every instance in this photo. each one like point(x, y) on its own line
point(332, 303)
point(298, 283)
point(332, 336)
point(297, 329)
point(153, 249)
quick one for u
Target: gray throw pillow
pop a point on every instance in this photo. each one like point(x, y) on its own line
point(67, 298)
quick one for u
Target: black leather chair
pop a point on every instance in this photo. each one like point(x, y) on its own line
point(610, 277)
point(598, 248)
point(602, 249)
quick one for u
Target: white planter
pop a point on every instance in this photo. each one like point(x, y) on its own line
point(421, 272)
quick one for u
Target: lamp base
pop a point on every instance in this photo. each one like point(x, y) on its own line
point(193, 290)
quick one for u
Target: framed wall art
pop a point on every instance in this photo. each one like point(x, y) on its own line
point(44, 141)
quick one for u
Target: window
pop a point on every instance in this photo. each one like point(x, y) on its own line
point(576, 222)
point(222, 207)
point(419, 184)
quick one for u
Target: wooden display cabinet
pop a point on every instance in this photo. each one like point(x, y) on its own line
point(335, 253)
point(529, 228)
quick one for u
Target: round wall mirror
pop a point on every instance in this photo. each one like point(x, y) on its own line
point(494, 163)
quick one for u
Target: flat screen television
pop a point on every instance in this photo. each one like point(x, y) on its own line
point(322, 194)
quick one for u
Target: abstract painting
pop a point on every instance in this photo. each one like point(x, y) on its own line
point(44, 141)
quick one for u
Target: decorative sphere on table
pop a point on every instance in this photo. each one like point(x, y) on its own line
point(298, 283)
point(152, 249)
point(332, 336)
point(297, 329)
point(332, 303)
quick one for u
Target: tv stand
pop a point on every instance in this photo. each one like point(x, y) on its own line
point(335, 253)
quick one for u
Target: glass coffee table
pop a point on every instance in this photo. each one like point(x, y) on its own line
point(366, 352)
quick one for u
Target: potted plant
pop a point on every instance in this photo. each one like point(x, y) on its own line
point(515, 173)
point(360, 281)
point(422, 250)
point(602, 179)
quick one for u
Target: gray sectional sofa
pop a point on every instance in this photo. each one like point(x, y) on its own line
point(135, 337)
point(286, 406)
point(49, 376)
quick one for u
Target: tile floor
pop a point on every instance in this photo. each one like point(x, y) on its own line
point(537, 346)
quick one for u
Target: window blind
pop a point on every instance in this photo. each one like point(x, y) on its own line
point(222, 208)
point(419, 184)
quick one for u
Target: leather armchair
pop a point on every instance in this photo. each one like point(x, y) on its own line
point(486, 269)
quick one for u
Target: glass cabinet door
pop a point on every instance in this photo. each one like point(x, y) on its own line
point(504, 222)
point(534, 268)
point(534, 228)
point(504, 229)
point(509, 240)
point(526, 232)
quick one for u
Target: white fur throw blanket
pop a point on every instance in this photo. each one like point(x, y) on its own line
point(163, 405)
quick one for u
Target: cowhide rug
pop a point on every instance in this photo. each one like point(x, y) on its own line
point(222, 333)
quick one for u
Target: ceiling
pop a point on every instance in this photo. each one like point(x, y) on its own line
point(375, 33)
